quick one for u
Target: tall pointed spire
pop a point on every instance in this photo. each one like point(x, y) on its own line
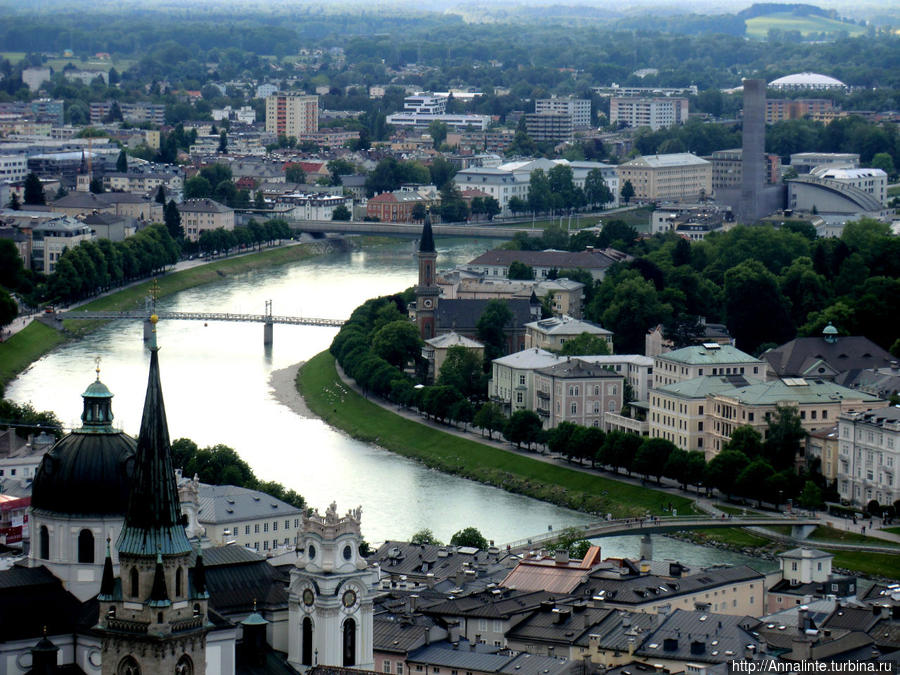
point(153, 520)
point(159, 594)
point(426, 245)
point(108, 582)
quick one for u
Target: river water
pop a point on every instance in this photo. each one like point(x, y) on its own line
point(216, 383)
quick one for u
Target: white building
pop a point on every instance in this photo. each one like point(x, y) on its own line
point(13, 168)
point(709, 358)
point(635, 368)
point(655, 113)
point(579, 109)
point(512, 378)
point(35, 77)
point(873, 181)
point(554, 332)
point(869, 456)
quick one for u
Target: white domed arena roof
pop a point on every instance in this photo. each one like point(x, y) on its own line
point(811, 80)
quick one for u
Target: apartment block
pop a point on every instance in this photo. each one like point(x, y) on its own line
point(550, 126)
point(869, 456)
point(672, 177)
point(781, 109)
point(579, 109)
point(289, 115)
point(655, 113)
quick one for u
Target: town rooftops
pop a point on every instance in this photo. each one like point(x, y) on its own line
point(496, 603)
point(484, 659)
point(709, 353)
point(80, 200)
point(452, 339)
point(700, 636)
point(552, 574)
point(398, 197)
point(672, 160)
point(228, 503)
point(566, 325)
point(463, 314)
point(797, 390)
point(574, 368)
point(831, 353)
point(203, 206)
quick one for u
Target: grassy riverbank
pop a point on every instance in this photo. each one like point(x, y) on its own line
point(343, 408)
point(17, 353)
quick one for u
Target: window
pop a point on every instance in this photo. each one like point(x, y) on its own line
point(794, 566)
point(399, 667)
point(275, 526)
point(521, 379)
point(246, 529)
point(45, 543)
point(306, 649)
point(287, 524)
point(128, 666)
point(265, 527)
point(184, 666)
point(573, 409)
point(135, 582)
point(387, 667)
point(256, 528)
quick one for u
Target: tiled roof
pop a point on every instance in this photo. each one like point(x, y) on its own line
point(699, 637)
point(795, 358)
point(228, 503)
point(566, 325)
point(203, 206)
point(700, 355)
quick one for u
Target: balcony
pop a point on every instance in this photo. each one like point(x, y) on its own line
point(127, 626)
point(194, 623)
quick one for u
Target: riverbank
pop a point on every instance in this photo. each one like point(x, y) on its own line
point(37, 339)
point(338, 405)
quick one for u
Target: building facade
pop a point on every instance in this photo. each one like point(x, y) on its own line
point(672, 177)
point(706, 359)
point(579, 109)
point(576, 391)
point(655, 113)
point(289, 115)
point(869, 456)
point(199, 215)
point(550, 127)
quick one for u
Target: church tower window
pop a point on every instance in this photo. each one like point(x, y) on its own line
point(349, 643)
point(307, 638)
point(178, 582)
point(45, 543)
point(85, 546)
point(184, 666)
point(135, 582)
point(128, 666)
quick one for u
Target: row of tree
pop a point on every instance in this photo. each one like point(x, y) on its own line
point(242, 236)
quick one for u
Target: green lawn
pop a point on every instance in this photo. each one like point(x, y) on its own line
point(25, 347)
point(825, 533)
point(892, 530)
point(758, 27)
point(334, 402)
point(735, 536)
point(893, 191)
point(877, 564)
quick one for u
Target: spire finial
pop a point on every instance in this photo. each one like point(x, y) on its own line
point(97, 368)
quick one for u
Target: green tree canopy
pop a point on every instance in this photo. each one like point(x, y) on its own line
point(425, 536)
point(469, 536)
point(462, 369)
point(397, 342)
point(585, 344)
point(519, 270)
point(491, 328)
point(524, 426)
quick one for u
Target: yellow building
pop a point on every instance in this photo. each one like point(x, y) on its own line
point(677, 176)
point(198, 215)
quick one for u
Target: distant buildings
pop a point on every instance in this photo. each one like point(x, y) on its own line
point(421, 110)
point(496, 263)
point(290, 115)
point(154, 113)
point(579, 109)
point(727, 169)
point(198, 215)
point(781, 109)
point(655, 113)
point(807, 80)
point(549, 127)
point(672, 177)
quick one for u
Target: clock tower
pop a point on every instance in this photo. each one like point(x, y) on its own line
point(427, 291)
point(331, 594)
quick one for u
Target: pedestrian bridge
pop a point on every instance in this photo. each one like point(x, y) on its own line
point(205, 316)
point(801, 528)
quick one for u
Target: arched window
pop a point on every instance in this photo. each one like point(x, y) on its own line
point(306, 644)
point(128, 666)
point(178, 581)
point(135, 583)
point(85, 546)
point(44, 543)
point(184, 666)
point(349, 643)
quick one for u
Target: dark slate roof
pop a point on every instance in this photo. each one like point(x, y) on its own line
point(561, 624)
point(274, 664)
point(233, 588)
point(228, 503)
point(153, 519)
point(203, 206)
point(574, 368)
point(32, 598)
point(637, 590)
point(399, 635)
point(81, 200)
point(503, 604)
point(559, 259)
point(852, 618)
point(112, 198)
point(103, 219)
point(619, 629)
point(230, 554)
point(797, 357)
point(462, 315)
point(403, 558)
point(486, 659)
point(682, 632)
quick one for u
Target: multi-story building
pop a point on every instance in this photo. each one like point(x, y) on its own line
point(565, 296)
point(154, 113)
point(51, 238)
point(579, 109)
point(553, 333)
point(395, 207)
point(691, 221)
point(709, 358)
point(676, 176)
point(512, 378)
point(198, 215)
point(496, 263)
point(576, 391)
point(655, 113)
point(49, 109)
point(818, 403)
point(869, 456)
point(291, 115)
point(35, 77)
point(872, 181)
point(635, 368)
point(727, 171)
point(780, 109)
point(804, 162)
point(315, 206)
point(655, 342)
point(13, 168)
point(420, 110)
point(822, 445)
point(550, 127)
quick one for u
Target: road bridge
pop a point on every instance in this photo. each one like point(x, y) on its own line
point(410, 230)
point(652, 525)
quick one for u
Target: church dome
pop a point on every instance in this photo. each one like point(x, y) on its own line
point(88, 472)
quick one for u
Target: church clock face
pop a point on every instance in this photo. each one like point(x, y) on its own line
point(428, 303)
point(349, 599)
point(308, 597)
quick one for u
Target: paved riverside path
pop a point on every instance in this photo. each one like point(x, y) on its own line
point(703, 504)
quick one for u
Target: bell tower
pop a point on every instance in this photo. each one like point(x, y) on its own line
point(153, 618)
point(331, 595)
point(427, 290)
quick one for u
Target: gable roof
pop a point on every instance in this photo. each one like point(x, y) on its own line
point(203, 206)
point(802, 357)
point(27, 595)
point(462, 315)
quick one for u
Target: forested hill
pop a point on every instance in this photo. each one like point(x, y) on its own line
point(766, 8)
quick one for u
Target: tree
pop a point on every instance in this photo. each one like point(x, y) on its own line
point(559, 439)
point(785, 433)
point(9, 310)
point(619, 449)
point(438, 132)
point(172, 220)
point(524, 426)
point(585, 344)
point(462, 369)
point(811, 496)
point(751, 482)
point(419, 211)
point(470, 536)
point(519, 270)
point(122, 162)
point(683, 330)
point(453, 206)
point(197, 187)
point(723, 470)
point(294, 173)
point(491, 207)
point(595, 188)
point(491, 328)
point(14, 202)
point(397, 342)
point(223, 141)
point(96, 186)
point(160, 197)
point(747, 440)
point(651, 458)
point(340, 212)
point(627, 191)
point(539, 192)
point(634, 307)
point(755, 309)
point(490, 418)
point(34, 191)
point(425, 536)
point(884, 161)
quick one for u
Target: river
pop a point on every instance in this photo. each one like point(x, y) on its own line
point(216, 383)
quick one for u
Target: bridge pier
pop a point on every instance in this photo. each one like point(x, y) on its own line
point(802, 531)
point(268, 332)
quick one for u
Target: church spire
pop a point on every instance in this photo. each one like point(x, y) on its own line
point(426, 245)
point(108, 582)
point(153, 521)
point(159, 595)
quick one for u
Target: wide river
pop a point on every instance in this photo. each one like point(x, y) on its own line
point(216, 382)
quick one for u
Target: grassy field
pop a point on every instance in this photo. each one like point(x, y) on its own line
point(735, 536)
point(90, 64)
point(824, 533)
point(758, 27)
point(893, 191)
point(30, 344)
point(877, 564)
point(25, 347)
point(341, 407)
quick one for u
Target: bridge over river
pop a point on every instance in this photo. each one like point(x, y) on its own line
point(801, 528)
